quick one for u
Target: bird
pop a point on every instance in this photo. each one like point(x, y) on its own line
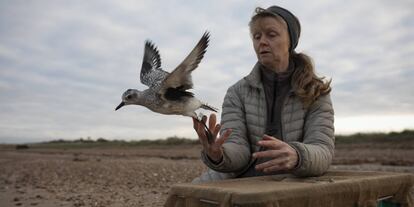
point(168, 93)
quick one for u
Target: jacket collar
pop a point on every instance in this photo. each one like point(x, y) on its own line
point(254, 78)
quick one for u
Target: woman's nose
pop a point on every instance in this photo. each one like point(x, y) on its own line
point(263, 40)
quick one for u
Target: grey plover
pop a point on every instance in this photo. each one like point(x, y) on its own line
point(167, 92)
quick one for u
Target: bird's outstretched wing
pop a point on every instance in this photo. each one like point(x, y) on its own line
point(180, 78)
point(151, 73)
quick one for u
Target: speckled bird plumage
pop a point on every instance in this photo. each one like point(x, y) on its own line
point(167, 92)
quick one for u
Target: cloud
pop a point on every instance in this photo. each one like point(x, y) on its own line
point(364, 47)
point(64, 65)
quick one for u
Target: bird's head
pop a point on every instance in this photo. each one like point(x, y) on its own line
point(130, 96)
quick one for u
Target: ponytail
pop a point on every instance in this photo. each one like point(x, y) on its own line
point(305, 83)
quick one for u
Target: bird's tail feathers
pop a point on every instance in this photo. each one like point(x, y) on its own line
point(208, 107)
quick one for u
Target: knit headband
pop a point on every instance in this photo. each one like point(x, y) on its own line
point(292, 22)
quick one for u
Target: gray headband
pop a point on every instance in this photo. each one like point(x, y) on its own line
point(292, 22)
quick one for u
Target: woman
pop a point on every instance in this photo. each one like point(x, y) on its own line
point(279, 118)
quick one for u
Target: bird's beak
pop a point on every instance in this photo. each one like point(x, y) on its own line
point(120, 105)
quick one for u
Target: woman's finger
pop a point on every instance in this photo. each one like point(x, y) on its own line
point(202, 135)
point(271, 144)
point(204, 119)
point(271, 163)
point(223, 137)
point(195, 123)
point(216, 130)
point(269, 154)
point(212, 121)
point(275, 168)
point(268, 137)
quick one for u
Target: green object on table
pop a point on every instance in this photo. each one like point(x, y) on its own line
point(386, 203)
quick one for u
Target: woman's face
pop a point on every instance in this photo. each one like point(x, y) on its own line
point(271, 42)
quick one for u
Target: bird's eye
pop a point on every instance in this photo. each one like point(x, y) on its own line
point(128, 97)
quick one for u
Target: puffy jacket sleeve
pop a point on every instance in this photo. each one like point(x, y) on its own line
point(236, 148)
point(317, 149)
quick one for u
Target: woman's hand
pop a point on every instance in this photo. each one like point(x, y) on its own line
point(283, 156)
point(213, 150)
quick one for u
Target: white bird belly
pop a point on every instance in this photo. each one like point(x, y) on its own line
point(185, 108)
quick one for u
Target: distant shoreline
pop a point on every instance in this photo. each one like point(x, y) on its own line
point(403, 136)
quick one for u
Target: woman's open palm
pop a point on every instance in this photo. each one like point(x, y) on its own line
point(213, 150)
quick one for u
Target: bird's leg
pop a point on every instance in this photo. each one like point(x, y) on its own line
point(209, 135)
point(207, 131)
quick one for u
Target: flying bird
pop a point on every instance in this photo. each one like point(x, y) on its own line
point(168, 93)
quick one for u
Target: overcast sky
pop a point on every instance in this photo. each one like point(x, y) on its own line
point(65, 64)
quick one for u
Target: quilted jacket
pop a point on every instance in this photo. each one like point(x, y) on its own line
point(309, 131)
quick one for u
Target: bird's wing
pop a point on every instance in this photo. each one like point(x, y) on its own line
point(180, 78)
point(151, 73)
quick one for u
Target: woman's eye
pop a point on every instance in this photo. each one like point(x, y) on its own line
point(256, 37)
point(273, 34)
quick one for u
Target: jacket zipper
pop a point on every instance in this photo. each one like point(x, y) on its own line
point(282, 123)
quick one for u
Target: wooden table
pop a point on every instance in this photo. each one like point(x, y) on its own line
point(335, 188)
